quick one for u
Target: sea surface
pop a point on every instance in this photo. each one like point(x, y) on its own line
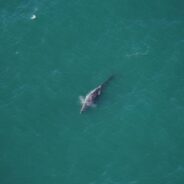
point(52, 52)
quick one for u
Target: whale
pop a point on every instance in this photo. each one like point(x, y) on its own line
point(91, 97)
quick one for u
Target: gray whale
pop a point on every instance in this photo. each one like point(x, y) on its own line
point(90, 98)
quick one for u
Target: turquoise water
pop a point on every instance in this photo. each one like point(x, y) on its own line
point(135, 133)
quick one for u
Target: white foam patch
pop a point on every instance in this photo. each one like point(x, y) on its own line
point(33, 17)
point(82, 100)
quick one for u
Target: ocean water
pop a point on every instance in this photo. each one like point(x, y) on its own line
point(135, 133)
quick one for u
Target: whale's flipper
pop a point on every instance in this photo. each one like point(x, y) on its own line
point(82, 99)
point(93, 105)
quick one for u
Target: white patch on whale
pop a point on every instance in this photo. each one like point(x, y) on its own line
point(82, 100)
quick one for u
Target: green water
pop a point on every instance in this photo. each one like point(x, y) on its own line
point(134, 135)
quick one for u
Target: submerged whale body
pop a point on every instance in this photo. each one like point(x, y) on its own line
point(91, 97)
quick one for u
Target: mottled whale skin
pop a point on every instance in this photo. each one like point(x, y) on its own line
point(91, 97)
